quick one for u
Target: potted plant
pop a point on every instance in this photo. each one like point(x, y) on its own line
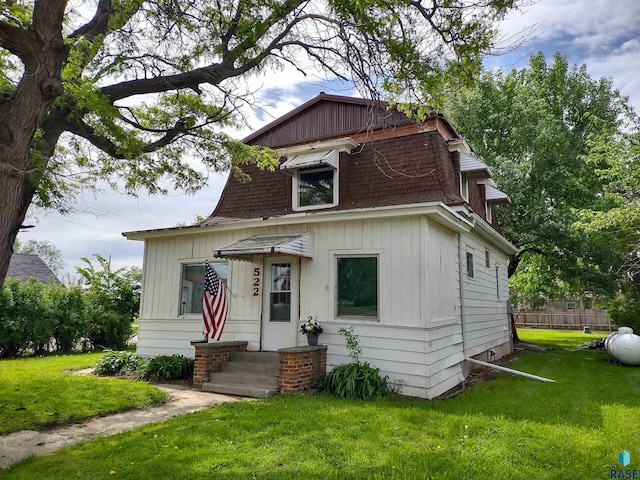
point(312, 330)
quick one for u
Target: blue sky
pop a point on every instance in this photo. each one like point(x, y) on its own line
point(603, 34)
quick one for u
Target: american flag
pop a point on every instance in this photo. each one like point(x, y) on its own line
point(214, 304)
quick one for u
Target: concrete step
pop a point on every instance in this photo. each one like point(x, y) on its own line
point(251, 391)
point(232, 378)
point(262, 357)
point(260, 368)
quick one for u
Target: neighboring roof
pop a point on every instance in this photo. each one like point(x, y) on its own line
point(23, 266)
point(296, 244)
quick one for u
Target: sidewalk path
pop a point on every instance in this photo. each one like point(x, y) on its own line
point(182, 400)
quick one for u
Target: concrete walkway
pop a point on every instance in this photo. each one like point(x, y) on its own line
point(182, 400)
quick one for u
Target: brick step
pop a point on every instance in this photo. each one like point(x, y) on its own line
point(232, 378)
point(250, 391)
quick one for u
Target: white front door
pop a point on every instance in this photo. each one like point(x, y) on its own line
point(280, 306)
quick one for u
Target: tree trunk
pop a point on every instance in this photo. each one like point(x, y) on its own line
point(41, 49)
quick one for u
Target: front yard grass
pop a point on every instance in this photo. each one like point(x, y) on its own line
point(35, 393)
point(509, 428)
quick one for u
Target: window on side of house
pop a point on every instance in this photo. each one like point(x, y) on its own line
point(357, 287)
point(315, 188)
point(498, 281)
point(464, 187)
point(489, 212)
point(192, 285)
point(487, 258)
point(470, 272)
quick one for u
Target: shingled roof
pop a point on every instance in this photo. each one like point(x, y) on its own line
point(23, 266)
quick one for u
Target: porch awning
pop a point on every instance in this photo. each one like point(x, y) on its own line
point(294, 244)
point(313, 159)
point(493, 195)
point(473, 168)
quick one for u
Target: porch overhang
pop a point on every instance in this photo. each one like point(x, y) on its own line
point(294, 244)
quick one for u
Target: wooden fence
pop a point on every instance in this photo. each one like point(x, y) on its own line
point(595, 319)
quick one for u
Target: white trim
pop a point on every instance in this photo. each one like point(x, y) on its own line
point(295, 190)
point(487, 232)
point(345, 144)
point(436, 211)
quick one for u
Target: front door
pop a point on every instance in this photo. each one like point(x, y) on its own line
point(280, 306)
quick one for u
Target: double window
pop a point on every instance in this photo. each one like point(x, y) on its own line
point(192, 285)
point(357, 287)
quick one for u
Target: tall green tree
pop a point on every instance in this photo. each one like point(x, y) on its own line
point(534, 127)
point(140, 86)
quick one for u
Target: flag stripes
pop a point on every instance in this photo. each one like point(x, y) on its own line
point(215, 307)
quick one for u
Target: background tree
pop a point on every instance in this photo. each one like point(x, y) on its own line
point(142, 85)
point(114, 301)
point(533, 126)
point(47, 251)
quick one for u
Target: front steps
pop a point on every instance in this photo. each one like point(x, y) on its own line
point(246, 374)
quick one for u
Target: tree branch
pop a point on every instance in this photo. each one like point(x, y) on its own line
point(98, 25)
point(18, 41)
point(107, 146)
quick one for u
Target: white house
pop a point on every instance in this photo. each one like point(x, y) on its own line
point(372, 221)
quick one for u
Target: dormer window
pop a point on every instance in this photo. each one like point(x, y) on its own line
point(315, 188)
point(464, 187)
point(314, 169)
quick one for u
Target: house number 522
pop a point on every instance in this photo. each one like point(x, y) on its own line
point(256, 281)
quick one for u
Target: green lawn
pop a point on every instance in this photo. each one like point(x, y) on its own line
point(510, 428)
point(34, 392)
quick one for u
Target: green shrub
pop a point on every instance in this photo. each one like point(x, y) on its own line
point(356, 379)
point(169, 367)
point(70, 317)
point(120, 364)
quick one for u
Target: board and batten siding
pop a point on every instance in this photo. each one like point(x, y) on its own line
point(485, 297)
point(417, 337)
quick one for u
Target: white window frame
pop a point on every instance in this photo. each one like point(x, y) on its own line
point(295, 190)
point(363, 254)
point(470, 271)
point(181, 312)
point(497, 269)
point(464, 187)
point(487, 258)
point(488, 212)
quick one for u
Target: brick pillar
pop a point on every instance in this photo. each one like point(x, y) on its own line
point(301, 367)
point(209, 356)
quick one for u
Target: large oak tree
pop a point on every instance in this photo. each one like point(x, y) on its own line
point(132, 89)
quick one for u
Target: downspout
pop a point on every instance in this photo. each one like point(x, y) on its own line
point(462, 307)
point(510, 370)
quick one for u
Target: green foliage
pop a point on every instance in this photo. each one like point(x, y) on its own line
point(356, 380)
point(114, 298)
point(37, 318)
point(120, 364)
point(535, 127)
point(624, 309)
point(169, 367)
point(25, 318)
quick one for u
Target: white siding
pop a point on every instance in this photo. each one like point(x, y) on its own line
point(485, 312)
point(417, 339)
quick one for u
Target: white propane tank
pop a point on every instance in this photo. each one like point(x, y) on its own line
point(624, 346)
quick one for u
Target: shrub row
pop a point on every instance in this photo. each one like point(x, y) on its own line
point(127, 364)
point(37, 318)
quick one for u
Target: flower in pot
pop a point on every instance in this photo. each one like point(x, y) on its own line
point(312, 329)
